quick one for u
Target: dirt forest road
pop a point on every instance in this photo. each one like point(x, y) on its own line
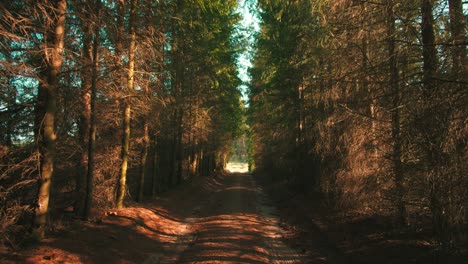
point(227, 218)
point(233, 221)
point(222, 219)
point(235, 225)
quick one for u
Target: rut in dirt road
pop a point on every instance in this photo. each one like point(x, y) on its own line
point(236, 226)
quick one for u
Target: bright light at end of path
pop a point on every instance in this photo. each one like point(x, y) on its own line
point(237, 167)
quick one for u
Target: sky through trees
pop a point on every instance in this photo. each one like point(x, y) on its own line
point(248, 28)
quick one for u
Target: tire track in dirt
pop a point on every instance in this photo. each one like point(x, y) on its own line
point(235, 225)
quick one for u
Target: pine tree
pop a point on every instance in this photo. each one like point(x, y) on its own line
point(46, 108)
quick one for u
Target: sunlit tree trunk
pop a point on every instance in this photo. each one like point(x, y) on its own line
point(143, 160)
point(395, 111)
point(194, 160)
point(200, 165)
point(121, 187)
point(119, 55)
point(46, 110)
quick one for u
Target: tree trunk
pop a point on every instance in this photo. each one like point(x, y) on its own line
point(194, 161)
point(6, 137)
point(428, 41)
point(92, 127)
point(173, 169)
point(156, 181)
point(366, 87)
point(146, 134)
point(180, 147)
point(85, 119)
point(432, 126)
point(301, 147)
point(46, 109)
point(120, 32)
point(143, 161)
point(121, 187)
point(457, 28)
point(395, 111)
point(200, 164)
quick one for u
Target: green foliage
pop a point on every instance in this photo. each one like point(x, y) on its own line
point(277, 76)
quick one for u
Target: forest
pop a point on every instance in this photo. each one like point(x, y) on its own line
point(365, 103)
point(358, 107)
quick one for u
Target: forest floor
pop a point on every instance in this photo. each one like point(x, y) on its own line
point(230, 218)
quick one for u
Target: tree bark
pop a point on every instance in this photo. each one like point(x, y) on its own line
point(156, 181)
point(121, 187)
point(92, 126)
point(85, 119)
point(179, 147)
point(432, 124)
point(6, 137)
point(428, 41)
point(143, 161)
point(457, 28)
point(395, 111)
point(46, 111)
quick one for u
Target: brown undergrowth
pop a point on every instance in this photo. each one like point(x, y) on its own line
point(353, 236)
point(135, 234)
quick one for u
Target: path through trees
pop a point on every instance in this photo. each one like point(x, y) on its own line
point(360, 105)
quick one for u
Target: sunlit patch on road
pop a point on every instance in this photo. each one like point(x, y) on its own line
point(236, 225)
point(237, 167)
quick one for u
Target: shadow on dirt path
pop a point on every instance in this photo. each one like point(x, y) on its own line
point(222, 219)
point(236, 226)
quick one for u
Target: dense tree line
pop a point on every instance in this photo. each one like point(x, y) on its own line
point(105, 98)
point(365, 103)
